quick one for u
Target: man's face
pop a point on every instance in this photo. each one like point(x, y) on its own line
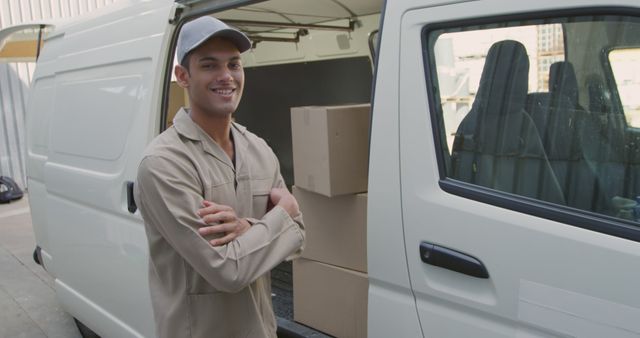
point(215, 78)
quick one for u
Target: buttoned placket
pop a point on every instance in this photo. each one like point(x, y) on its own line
point(213, 149)
point(242, 203)
point(242, 175)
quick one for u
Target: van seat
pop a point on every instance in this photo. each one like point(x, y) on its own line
point(608, 154)
point(497, 144)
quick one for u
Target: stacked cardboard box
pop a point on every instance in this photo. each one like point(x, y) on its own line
point(330, 299)
point(331, 148)
point(336, 228)
point(330, 161)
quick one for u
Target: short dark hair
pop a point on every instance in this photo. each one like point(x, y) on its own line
point(185, 61)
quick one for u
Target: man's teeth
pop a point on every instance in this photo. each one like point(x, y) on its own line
point(223, 91)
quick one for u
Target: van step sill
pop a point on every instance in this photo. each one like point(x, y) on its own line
point(291, 329)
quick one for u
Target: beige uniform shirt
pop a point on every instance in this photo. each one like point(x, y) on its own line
point(198, 290)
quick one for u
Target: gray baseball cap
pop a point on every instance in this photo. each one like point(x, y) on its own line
point(196, 32)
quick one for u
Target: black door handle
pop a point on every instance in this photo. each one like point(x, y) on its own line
point(453, 260)
point(131, 203)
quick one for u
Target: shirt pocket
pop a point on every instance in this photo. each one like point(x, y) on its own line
point(260, 189)
point(221, 193)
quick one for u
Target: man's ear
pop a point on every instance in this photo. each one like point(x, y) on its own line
point(182, 76)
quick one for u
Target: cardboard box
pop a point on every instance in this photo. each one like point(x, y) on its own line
point(336, 228)
point(330, 299)
point(331, 148)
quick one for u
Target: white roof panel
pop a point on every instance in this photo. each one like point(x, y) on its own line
point(303, 11)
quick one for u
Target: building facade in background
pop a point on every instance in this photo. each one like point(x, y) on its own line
point(17, 69)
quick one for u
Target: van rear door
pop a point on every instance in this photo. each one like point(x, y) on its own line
point(23, 43)
point(94, 105)
point(519, 167)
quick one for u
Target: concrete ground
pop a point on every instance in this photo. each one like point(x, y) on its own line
point(28, 305)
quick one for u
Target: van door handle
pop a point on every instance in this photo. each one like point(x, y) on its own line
point(131, 203)
point(446, 258)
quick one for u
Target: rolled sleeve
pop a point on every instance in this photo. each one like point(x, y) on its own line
point(280, 183)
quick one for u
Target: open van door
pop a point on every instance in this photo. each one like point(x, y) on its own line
point(519, 167)
point(23, 42)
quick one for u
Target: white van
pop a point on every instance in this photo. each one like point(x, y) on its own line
point(504, 154)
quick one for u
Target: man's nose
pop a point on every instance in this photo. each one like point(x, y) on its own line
point(225, 75)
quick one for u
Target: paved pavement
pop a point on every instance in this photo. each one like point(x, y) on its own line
point(28, 305)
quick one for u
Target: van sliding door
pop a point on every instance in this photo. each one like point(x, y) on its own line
point(519, 167)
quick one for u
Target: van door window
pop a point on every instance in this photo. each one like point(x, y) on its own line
point(528, 112)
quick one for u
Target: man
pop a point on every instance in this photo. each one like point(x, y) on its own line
point(204, 187)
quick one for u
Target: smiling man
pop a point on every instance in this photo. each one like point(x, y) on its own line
point(217, 213)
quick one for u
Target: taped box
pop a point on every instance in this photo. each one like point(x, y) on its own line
point(336, 228)
point(330, 299)
point(331, 148)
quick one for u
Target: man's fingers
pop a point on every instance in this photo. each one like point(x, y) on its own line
point(219, 217)
point(218, 228)
point(214, 229)
point(223, 240)
point(289, 203)
point(214, 218)
point(212, 208)
point(276, 194)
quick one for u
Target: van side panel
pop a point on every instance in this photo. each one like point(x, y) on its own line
point(106, 77)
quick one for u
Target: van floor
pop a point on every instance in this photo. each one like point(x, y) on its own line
point(282, 290)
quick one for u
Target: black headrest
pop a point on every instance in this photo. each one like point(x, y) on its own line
point(562, 80)
point(504, 81)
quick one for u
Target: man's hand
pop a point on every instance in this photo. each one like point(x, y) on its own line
point(224, 221)
point(283, 198)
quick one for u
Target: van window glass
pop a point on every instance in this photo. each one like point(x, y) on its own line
point(532, 110)
point(627, 75)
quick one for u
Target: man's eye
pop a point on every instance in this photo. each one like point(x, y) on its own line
point(207, 66)
point(235, 66)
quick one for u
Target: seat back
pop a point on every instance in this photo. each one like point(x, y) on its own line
point(607, 151)
point(497, 144)
point(562, 138)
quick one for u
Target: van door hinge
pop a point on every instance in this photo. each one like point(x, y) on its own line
point(176, 13)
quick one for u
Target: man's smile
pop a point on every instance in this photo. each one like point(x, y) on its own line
point(223, 91)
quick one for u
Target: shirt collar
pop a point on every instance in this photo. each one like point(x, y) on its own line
point(185, 126)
